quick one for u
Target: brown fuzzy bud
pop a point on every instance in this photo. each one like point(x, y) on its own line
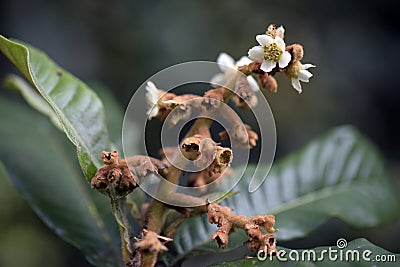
point(216, 214)
point(267, 82)
point(213, 98)
point(271, 30)
point(241, 135)
point(110, 158)
point(222, 160)
point(245, 97)
point(191, 147)
point(226, 221)
point(223, 156)
point(296, 51)
point(221, 235)
point(142, 166)
point(265, 221)
point(124, 174)
point(100, 180)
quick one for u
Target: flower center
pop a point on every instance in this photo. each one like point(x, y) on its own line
point(272, 52)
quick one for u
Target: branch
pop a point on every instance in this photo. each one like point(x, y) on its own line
point(257, 239)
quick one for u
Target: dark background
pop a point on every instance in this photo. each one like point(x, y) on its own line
point(121, 43)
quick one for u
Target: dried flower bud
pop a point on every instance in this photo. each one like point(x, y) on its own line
point(221, 235)
point(109, 158)
point(271, 30)
point(217, 214)
point(265, 221)
point(152, 242)
point(141, 166)
point(267, 82)
point(241, 135)
point(259, 241)
point(223, 156)
point(100, 180)
point(296, 51)
point(222, 160)
point(213, 98)
point(191, 147)
point(269, 242)
point(116, 172)
point(127, 182)
point(245, 97)
point(226, 221)
point(179, 107)
point(255, 67)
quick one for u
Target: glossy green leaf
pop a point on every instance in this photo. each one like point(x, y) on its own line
point(340, 174)
point(32, 97)
point(42, 165)
point(351, 255)
point(78, 108)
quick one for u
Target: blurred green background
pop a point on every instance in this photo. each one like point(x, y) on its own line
point(121, 43)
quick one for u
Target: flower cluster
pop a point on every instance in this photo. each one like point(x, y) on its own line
point(271, 55)
point(238, 82)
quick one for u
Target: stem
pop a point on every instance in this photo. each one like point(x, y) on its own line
point(117, 207)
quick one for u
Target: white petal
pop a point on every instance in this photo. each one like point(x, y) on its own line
point(280, 32)
point(304, 75)
point(218, 80)
point(285, 59)
point(151, 94)
point(306, 66)
point(170, 104)
point(256, 53)
point(243, 61)
point(280, 43)
point(152, 112)
point(296, 84)
point(264, 40)
point(267, 66)
point(253, 83)
point(225, 62)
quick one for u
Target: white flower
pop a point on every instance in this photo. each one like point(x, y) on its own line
point(270, 52)
point(152, 96)
point(228, 66)
point(299, 73)
point(280, 32)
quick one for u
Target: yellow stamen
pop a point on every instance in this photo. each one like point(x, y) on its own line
point(272, 52)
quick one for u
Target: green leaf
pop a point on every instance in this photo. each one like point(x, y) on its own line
point(35, 100)
point(340, 174)
point(352, 255)
point(78, 108)
point(42, 165)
